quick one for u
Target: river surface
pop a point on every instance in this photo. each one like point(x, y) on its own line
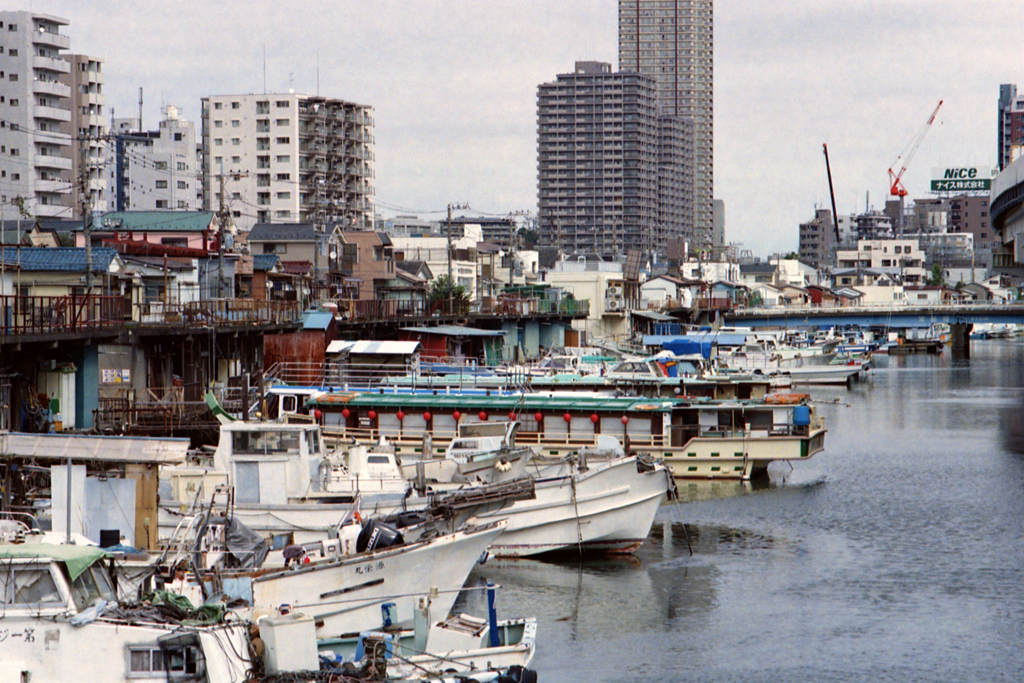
point(897, 554)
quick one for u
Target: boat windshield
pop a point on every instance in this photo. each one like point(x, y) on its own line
point(28, 584)
point(91, 585)
point(265, 442)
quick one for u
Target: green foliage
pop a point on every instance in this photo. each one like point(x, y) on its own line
point(443, 289)
point(935, 277)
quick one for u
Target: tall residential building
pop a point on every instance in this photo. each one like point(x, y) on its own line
point(154, 170)
point(88, 130)
point(672, 41)
point(35, 115)
point(1011, 124)
point(597, 161)
point(289, 158)
point(818, 240)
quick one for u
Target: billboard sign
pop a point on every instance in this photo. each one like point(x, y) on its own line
point(962, 178)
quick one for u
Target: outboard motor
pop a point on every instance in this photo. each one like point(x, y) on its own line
point(377, 535)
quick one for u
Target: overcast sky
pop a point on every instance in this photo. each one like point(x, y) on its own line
point(453, 84)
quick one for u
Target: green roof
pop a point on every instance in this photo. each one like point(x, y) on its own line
point(156, 221)
point(529, 403)
point(77, 558)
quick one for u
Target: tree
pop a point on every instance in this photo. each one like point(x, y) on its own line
point(792, 256)
point(935, 277)
point(449, 297)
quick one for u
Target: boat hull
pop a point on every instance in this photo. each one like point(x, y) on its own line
point(345, 595)
point(607, 509)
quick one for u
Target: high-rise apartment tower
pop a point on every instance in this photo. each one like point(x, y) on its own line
point(672, 41)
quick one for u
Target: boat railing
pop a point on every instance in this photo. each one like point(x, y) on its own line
point(441, 437)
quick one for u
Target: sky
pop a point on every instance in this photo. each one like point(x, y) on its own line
point(453, 85)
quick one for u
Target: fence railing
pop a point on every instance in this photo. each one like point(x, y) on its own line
point(376, 309)
point(70, 313)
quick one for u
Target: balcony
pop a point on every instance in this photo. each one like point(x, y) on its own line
point(51, 64)
point(57, 314)
point(51, 39)
point(51, 113)
point(55, 186)
point(51, 88)
point(51, 161)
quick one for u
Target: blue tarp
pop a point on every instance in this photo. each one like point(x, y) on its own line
point(688, 347)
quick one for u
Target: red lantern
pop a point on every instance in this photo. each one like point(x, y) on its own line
point(511, 416)
point(624, 419)
point(400, 415)
point(372, 415)
point(317, 414)
point(346, 413)
point(567, 417)
point(457, 415)
point(594, 418)
point(483, 415)
point(427, 416)
point(538, 416)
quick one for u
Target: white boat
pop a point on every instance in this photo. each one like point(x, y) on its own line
point(593, 506)
point(341, 585)
point(288, 485)
point(57, 625)
point(462, 644)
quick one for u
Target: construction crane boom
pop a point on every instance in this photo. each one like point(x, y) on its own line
point(896, 188)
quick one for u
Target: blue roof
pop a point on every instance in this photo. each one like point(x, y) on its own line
point(53, 259)
point(264, 261)
point(317, 320)
point(704, 338)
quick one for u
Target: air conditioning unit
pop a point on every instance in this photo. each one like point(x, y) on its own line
point(614, 305)
point(615, 290)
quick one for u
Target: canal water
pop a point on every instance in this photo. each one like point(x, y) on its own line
point(897, 554)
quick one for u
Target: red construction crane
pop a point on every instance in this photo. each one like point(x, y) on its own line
point(895, 179)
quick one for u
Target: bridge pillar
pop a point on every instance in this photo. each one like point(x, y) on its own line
point(960, 336)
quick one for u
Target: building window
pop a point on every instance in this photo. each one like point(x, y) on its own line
point(182, 185)
point(182, 166)
point(177, 137)
point(284, 141)
point(282, 122)
point(281, 104)
point(236, 160)
point(218, 124)
point(284, 195)
point(161, 184)
point(283, 158)
point(236, 141)
point(218, 105)
point(235, 105)
point(235, 123)
point(218, 142)
point(14, 102)
point(160, 165)
point(283, 176)
point(161, 203)
point(14, 77)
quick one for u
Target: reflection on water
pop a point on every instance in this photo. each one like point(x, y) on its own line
point(896, 554)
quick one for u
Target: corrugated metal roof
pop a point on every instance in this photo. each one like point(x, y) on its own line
point(57, 259)
point(156, 221)
point(95, 448)
point(368, 347)
point(455, 331)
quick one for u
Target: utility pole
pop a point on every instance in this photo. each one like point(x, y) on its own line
point(513, 239)
point(223, 219)
point(83, 172)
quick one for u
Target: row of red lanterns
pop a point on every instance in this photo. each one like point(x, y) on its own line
point(427, 417)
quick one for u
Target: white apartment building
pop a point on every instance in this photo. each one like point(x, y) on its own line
point(433, 251)
point(603, 284)
point(902, 259)
point(154, 170)
point(35, 111)
point(289, 158)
